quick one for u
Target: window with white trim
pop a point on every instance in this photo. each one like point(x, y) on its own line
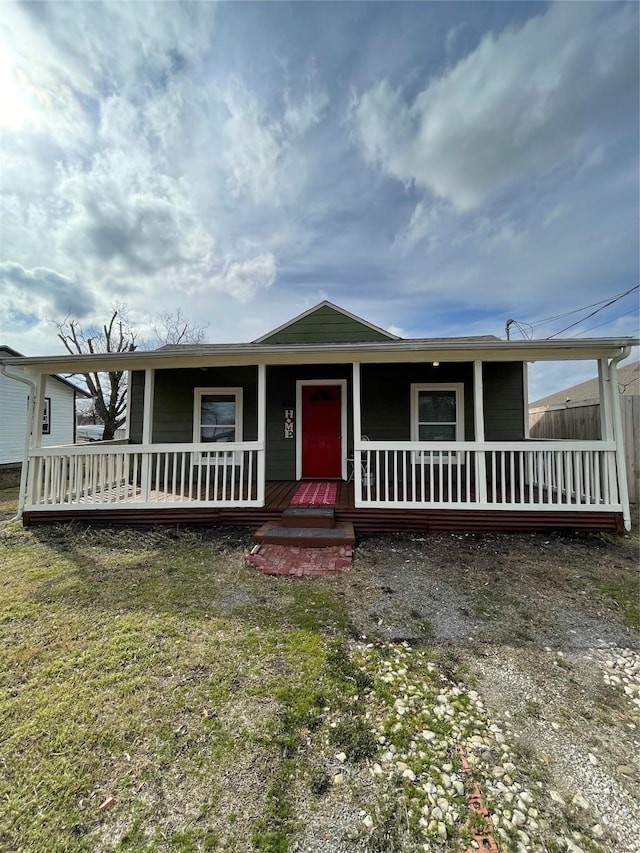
point(217, 417)
point(46, 417)
point(437, 414)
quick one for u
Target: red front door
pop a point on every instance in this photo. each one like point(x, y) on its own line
point(321, 425)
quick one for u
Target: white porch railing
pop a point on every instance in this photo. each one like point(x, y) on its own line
point(524, 475)
point(103, 476)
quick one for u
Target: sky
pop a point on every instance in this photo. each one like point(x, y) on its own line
point(436, 168)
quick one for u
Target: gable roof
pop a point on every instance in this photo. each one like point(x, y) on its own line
point(325, 323)
point(15, 354)
point(628, 383)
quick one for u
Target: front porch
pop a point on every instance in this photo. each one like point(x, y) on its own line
point(420, 434)
point(463, 486)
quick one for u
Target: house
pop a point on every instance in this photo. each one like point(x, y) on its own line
point(58, 410)
point(417, 434)
point(574, 413)
point(587, 392)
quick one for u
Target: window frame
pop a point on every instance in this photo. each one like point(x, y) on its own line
point(458, 389)
point(46, 416)
point(202, 457)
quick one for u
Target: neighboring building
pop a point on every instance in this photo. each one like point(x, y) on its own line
point(575, 413)
point(588, 392)
point(58, 411)
point(419, 434)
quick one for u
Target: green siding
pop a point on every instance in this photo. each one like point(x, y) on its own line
point(386, 396)
point(386, 402)
point(325, 325)
point(281, 394)
point(503, 383)
point(174, 396)
point(136, 403)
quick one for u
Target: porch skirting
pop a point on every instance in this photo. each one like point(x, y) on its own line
point(363, 520)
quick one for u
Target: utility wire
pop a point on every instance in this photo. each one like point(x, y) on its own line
point(533, 325)
point(597, 311)
point(604, 323)
point(575, 311)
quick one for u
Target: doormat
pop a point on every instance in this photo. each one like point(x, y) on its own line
point(314, 493)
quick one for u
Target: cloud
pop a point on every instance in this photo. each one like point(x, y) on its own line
point(48, 289)
point(244, 279)
point(254, 147)
point(422, 226)
point(521, 103)
point(259, 145)
point(202, 156)
point(100, 48)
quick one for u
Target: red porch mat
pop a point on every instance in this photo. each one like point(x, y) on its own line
point(314, 493)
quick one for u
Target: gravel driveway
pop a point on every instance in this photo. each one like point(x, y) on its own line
point(546, 628)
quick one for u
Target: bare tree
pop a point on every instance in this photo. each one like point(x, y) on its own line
point(176, 329)
point(109, 390)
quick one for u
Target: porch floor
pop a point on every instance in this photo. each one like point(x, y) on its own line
point(278, 494)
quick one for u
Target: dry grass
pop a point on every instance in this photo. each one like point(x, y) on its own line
point(141, 668)
point(9, 482)
point(159, 694)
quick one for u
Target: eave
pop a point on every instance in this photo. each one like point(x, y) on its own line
point(412, 350)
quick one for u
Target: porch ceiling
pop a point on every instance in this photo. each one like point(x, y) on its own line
point(413, 350)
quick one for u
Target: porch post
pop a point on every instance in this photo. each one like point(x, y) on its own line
point(262, 431)
point(34, 438)
point(525, 398)
point(619, 439)
point(147, 431)
point(606, 421)
point(357, 432)
point(38, 410)
point(478, 419)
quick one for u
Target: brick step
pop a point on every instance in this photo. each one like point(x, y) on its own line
point(310, 537)
point(308, 516)
point(291, 561)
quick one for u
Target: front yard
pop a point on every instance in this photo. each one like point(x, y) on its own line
point(160, 694)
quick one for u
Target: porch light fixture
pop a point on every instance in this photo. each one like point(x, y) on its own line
point(435, 364)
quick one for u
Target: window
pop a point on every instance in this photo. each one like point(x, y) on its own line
point(437, 414)
point(217, 417)
point(46, 416)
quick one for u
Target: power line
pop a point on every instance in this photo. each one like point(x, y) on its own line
point(531, 326)
point(604, 323)
point(597, 311)
point(575, 311)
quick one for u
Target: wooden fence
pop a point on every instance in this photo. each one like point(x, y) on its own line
point(581, 420)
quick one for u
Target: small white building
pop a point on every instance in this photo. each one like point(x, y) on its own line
point(58, 416)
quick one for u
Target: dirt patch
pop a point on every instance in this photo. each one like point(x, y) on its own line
point(556, 590)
